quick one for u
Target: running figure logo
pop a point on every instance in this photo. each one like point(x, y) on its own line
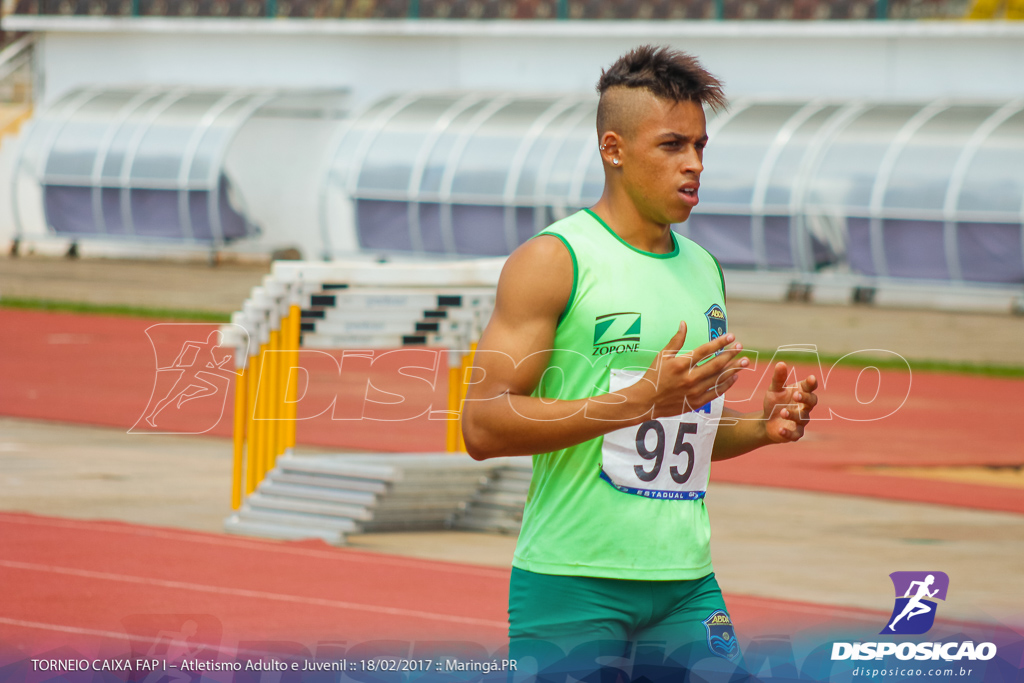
point(914, 611)
point(170, 639)
point(196, 359)
point(194, 373)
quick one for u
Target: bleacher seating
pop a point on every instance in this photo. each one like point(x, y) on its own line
point(751, 10)
point(205, 8)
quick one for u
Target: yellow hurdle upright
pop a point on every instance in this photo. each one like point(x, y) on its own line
point(252, 445)
point(281, 378)
point(454, 424)
point(463, 385)
point(291, 411)
point(241, 403)
point(262, 446)
point(272, 399)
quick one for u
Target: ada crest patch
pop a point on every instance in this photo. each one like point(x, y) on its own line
point(718, 325)
point(721, 637)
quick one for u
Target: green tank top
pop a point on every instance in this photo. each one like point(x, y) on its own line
point(625, 306)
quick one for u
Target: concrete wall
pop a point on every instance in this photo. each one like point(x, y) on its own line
point(885, 60)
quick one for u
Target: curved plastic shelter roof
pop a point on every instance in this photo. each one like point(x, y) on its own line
point(930, 190)
point(139, 163)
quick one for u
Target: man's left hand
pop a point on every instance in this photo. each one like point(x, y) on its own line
point(787, 410)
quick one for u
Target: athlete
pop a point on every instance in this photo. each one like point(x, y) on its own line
point(606, 359)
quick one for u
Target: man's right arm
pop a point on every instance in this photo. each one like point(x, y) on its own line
point(501, 417)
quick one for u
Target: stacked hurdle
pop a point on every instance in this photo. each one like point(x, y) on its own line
point(266, 336)
point(344, 317)
point(348, 305)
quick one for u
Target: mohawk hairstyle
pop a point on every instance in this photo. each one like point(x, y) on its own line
point(666, 73)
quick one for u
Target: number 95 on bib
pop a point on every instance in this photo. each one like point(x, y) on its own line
point(668, 458)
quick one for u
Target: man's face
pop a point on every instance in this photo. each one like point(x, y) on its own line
point(663, 159)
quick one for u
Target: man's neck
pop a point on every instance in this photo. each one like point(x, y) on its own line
point(622, 217)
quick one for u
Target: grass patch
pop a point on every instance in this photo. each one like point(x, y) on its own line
point(893, 363)
point(105, 309)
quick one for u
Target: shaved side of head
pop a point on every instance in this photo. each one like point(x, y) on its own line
point(646, 72)
point(622, 108)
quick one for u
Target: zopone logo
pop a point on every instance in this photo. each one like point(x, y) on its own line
point(616, 333)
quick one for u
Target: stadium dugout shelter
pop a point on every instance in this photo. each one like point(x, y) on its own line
point(145, 164)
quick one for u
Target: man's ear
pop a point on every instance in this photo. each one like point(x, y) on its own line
point(611, 148)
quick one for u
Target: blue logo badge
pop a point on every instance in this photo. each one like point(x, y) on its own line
point(717, 322)
point(914, 611)
point(721, 637)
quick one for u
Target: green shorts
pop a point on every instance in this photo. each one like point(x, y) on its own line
point(668, 623)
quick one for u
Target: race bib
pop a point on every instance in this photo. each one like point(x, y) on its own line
point(668, 458)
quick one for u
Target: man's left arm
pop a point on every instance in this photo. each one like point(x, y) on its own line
point(787, 410)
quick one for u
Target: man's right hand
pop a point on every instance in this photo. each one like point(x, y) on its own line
point(676, 384)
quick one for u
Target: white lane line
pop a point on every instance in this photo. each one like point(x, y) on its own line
point(840, 611)
point(60, 628)
point(262, 595)
point(804, 608)
point(77, 630)
point(358, 556)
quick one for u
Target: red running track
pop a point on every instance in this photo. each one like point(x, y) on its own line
point(103, 370)
point(916, 419)
point(95, 586)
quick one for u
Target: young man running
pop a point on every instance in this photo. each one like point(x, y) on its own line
point(606, 359)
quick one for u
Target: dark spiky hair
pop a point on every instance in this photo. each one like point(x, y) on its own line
point(666, 73)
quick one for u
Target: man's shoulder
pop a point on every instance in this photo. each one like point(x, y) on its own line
point(701, 254)
point(570, 225)
point(539, 275)
point(558, 242)
point(544, 248)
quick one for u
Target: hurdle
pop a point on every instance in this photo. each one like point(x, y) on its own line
point(357, 305)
